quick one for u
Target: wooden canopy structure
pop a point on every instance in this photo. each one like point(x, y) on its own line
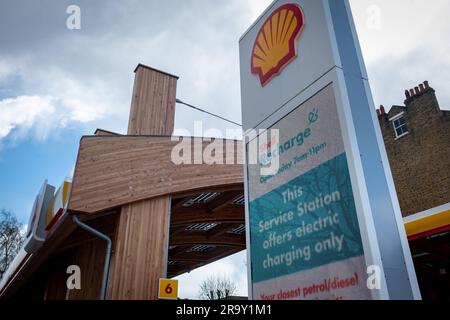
point(164, 218)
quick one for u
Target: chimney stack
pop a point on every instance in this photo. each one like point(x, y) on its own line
point(407, 94)
point(381, 112)
point(421, 87)
point(417, 91)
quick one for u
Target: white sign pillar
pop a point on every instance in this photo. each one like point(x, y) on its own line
point(328, 214)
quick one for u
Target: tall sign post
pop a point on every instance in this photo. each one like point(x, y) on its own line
point(323, 220)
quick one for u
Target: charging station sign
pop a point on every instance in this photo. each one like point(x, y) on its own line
point(325, 212)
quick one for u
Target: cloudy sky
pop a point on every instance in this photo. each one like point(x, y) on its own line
point(58, 84)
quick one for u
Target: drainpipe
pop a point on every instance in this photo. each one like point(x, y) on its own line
point(107, 255)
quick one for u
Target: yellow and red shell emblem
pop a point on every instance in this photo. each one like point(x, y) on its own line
point(275, 45)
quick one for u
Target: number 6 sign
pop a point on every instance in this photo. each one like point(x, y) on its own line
point(168, 289)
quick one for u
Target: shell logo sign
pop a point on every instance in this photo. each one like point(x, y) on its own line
point(275, 45)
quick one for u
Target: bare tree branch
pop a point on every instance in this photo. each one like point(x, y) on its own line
point(216, 288)
point(11, 239)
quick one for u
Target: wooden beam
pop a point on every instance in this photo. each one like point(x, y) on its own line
point(180, 249)
point(178, 203)
point(112, 171)
point(221, 229)
point(203, 257)
point(228, 214)
point(105, 224)
point(223, 200)
point(177, 230)
point(194, 192)
point(213, 233)
point(192, 257)
point(194, 238)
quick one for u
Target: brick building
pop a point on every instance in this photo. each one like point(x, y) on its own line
point(417, 140)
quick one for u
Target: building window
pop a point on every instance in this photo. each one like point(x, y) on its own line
point(400, 126)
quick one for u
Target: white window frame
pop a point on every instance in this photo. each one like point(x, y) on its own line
point(393, 119)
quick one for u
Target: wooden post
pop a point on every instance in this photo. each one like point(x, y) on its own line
point(140, 254)
point(140, 250)
point(153, 103)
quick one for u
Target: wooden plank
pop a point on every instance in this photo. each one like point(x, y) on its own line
point(113, 171)
point(55, 277)
point(90, 257)
point(203, 257)
point(221, 229)
point(86, 251)
point(139, 259)
point(223, 200)
point(106, 224)
point(230, 214)
point(190, 193)
point(153, 103)
point(179, 250)
point(178, 203)
point(228, 239)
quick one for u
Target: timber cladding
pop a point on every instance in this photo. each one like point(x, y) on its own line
point(139, 254)
point(153, 103)
point(89, 256)
point(112, 171)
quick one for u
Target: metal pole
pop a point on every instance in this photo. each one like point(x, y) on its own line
point(207, 112)
point(107, 255)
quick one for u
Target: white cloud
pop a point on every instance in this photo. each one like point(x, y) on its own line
point(81, 102)
point(58, 99)
point(23, 113)
point(407, 49)
point(89, 75)
point(89, 72)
